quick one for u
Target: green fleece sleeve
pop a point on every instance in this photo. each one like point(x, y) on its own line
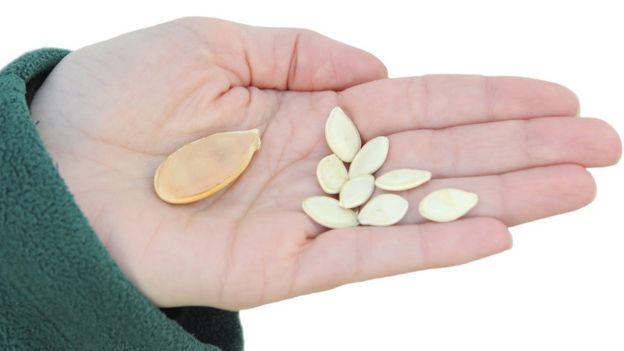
point(59, 288)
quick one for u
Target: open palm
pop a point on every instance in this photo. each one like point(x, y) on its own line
point(111, 112)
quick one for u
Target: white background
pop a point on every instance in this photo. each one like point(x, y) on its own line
point(560, 288)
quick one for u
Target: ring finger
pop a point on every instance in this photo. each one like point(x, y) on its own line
point(516, 197)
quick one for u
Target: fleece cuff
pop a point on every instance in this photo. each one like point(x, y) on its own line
point(59, 288)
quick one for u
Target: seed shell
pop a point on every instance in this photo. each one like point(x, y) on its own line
point(370, 158)
point(205, 166)
point(342, 136)
point(446, 205)
point(402, 179)
point(383, 210)
point(357, 191)
point(331, 174)
point(327, 212)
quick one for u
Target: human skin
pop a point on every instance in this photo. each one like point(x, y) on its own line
point(111, 112)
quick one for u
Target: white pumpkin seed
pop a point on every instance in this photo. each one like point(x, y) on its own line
point(370, 157)
point(446, 205)
point(356, 191)
point(402, 179)
point(331, 174)
point(342, 136)
point(327, 212)
point(383, 210)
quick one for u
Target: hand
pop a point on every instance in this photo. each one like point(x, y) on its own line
point(110, 113)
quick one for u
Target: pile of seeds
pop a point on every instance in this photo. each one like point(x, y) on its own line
point(356, 185)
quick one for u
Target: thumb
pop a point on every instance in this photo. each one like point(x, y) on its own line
point(289, 59)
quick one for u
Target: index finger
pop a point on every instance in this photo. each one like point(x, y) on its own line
point(438, 101)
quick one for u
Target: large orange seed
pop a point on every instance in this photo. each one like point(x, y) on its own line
point(205, 166)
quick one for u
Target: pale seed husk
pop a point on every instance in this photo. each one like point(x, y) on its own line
point(357, 191)
point(383, 210)
point(205, 166)
point(370, 157)
point(402, 179)
point(446, 205)
point(327, 212)
point(331, 174)
point(342, 136)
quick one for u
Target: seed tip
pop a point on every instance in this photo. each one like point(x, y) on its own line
point(257, 141)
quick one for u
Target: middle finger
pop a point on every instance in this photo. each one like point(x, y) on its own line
point(497, 147)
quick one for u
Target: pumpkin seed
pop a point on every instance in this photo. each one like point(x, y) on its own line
point(370, 158)
point(357, 191)
point(205, 166)
point(402, 179)
point(327, 212)
point(383, 210)
point(446, 205)
point(342, 136)
point(331, 174)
